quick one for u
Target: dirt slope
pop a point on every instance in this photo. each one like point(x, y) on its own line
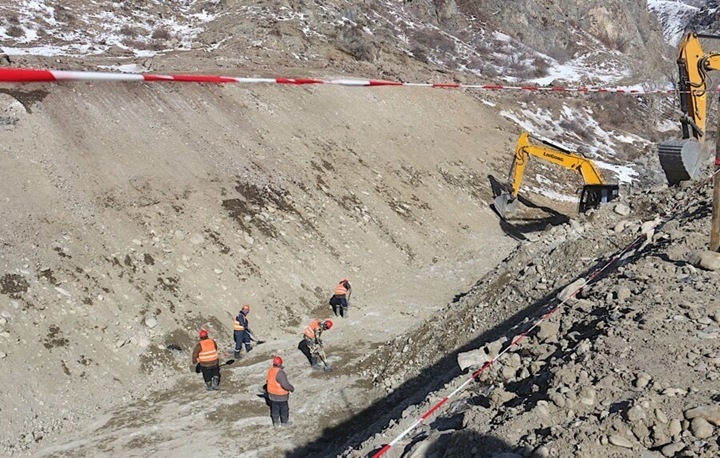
point(134, 215)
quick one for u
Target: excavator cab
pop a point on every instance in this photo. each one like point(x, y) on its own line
point(594, 195)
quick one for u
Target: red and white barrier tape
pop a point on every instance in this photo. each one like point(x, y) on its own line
point(637, 241)
point(30, 75)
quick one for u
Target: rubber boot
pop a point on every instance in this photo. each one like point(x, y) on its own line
point(314, 361)
point(208, 386)
point(236, 354)
point(215, 383)
point(344, 312)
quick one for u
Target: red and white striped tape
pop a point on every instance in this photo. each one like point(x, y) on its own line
point(30, 75)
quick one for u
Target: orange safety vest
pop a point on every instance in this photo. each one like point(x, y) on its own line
point(312, 327)
point(237, 326)
point(273, 387)
point(341, 290)
point(208, 351)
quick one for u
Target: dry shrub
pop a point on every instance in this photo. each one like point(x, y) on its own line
point(136, 43)
point(433, 39)
point(63, 14)
point(616, 110)
point(354, 41)
point(419, 54)
point(483, 67)
point(161, 33)
point(575, 126)
point(619, 43)
point(130, 32)
point(540, 67)
point(561, 53)
point(15, 31)
point(12, 19)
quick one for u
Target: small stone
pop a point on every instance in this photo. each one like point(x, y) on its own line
point(711, 413)
point(661, 417)
point(675, 427)
point(672, 449)
point(151, 321)
point(620, 441)
point(541, 452)
point(622, 209)
point(701, 428)
point(642, 380)
point(635, 413)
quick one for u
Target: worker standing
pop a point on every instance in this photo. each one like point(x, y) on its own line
point(205, 357)
point(341, 297)
point(313, 340)
point(279, 389)
point(241, 331)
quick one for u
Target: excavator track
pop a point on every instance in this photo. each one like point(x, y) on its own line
point(681, 160)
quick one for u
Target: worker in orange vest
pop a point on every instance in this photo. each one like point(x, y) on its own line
point(340, 298)
point(206, 359)
point(278, 390)
point(241, 331)
point(313, 340)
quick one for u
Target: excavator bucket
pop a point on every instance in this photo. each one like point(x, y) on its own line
point(680, 159)
point(505, 204)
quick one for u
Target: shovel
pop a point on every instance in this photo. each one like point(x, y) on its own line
point(321, 353)
point(254, 339)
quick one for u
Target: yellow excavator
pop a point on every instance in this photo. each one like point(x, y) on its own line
point(595, 191)
point(681, 159)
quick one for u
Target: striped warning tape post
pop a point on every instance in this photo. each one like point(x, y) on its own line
point(31, 75)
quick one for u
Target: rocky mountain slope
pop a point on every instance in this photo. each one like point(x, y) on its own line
point(135, 214)
point(626, 367)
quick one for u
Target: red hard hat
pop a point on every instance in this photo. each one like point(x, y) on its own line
point(203, 333)
point(328, 324)
point(277, 361)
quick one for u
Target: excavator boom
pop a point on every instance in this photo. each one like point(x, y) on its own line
point(681, 158)
point(594, 192)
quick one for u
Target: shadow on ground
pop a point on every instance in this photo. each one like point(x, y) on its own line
point(353, 432)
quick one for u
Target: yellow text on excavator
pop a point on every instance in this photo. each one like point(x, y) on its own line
point(681, 159)
point(595, 191)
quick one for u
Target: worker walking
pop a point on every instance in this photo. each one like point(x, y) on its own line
point(278, 390)
point(206, 360)
point(313, 340)
point(241, 331)
point(341, 298)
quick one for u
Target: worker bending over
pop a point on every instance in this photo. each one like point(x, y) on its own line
point(313, 339)
point(206, 360)
point(341, 297)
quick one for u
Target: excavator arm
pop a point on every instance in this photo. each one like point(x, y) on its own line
point(681, 158)
point(595, 190)
point(553, 154)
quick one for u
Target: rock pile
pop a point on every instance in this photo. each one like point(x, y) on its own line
point(628, 366)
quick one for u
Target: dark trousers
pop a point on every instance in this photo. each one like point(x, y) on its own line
point(209, 372)
point(279, 411)
point(241, 337)
point(339, 305)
